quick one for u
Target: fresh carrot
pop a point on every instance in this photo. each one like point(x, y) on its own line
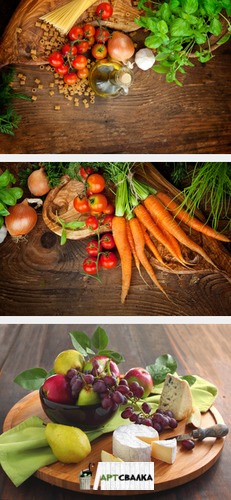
point(146, 219)
point(150, 244)
point(119, 231)
point(139, 241)
point(165, 219)
point(192, 222)
point(132, 245)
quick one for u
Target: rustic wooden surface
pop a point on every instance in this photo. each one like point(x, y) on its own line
point(187, 466)
point(198, 349)
point(155, 117)
point(40, 277)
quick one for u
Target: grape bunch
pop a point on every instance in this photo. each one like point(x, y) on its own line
point(159, 420)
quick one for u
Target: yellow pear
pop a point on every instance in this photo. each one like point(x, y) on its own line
point(69, 444)
point(67, 360)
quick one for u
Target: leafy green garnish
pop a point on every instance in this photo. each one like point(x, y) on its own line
point(31, 379)
point(8, 195)
point(163, 365)
point(9, 119)
point(178, 26)
point(96, 345)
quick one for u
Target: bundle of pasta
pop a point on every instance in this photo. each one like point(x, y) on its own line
point(64, 17)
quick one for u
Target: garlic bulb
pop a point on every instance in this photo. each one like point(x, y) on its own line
point(144, 59)
point(3, 233)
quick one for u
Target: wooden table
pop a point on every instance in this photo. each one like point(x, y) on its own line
point(155, 117)
point(38, 277)
point(199, 349)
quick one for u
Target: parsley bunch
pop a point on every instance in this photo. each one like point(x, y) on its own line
point(9, 119)
point(178, 27)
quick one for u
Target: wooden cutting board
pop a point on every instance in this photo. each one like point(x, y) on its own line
point(188, 465)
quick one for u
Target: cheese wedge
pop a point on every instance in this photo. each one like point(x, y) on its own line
point(127, 446)
point(164, 450)
point(108, 457)
point(176, 396)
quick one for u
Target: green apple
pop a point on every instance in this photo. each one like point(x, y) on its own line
point(87, 396)
point(67, 360)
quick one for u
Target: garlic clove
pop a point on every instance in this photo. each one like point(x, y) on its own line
point(144, 59)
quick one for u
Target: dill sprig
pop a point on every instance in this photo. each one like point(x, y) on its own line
point(9, 118)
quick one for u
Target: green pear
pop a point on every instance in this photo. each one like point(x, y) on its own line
point(87, 396)
point(69, 444)
point(67, 360)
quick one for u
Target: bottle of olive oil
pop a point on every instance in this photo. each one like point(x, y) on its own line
point(110, 78)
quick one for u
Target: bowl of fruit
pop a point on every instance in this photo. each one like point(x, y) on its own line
point(82, 394)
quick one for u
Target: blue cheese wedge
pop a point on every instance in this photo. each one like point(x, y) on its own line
point(176, 396)
point(127, 445)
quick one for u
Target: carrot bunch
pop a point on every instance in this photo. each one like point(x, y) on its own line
point(144, 216)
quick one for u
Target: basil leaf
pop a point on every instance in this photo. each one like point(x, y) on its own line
point(99, 338)
point(63, 237)
point(74, 224)
point(190, 6)
point(31, 379)
point(5, 179)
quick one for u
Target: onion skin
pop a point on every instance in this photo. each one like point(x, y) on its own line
point(22, 219)
point(120, 46)
point(38, 182)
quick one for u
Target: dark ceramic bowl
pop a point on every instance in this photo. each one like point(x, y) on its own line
point(84, 417)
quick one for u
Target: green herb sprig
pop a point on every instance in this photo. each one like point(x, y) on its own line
point(9, 118)
point(8, 195)
point(178, 26)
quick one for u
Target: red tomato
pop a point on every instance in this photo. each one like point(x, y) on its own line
point(97, 202)
point(83, 47)
point(88, 30)
point(83, 73)
point(80, 62)
point(107, 241)
point(85, 171)
point(55, 59)
point(104, 10)
point(90, 265)
point(93, 248)
point(91, 41)
point(81, 204)
point(99, 51)
point(108, 260)
point(95, 183)
point(70, 78)
point(62, 70)
point(76, 33)
point(107, 221)
point(101, 35)
point(92, 223)
point(110, 209)
point(69, 49)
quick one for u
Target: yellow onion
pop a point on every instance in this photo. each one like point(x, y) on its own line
point(21, 220)
point(38, 183)
point(120, 46)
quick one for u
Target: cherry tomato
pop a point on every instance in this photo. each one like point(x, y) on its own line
point(107, 221)
point(70, 78)
point(108, 260)
point(91, 41)
point(88, 30)
point(97, 202)
point(85, 171)
point(76, 33)
point(69, 49)
point(83, 47)
point(83, 73)
point(93, 248)
point(79, 62)
point(107, 241)
point(95, 183)
point(104, 10)
point(110, 209)
point(90, 265)
point(101, 35)
point(92, 223)
point(99, 51)
point(62, 70)
point(81, 204)
point(55, 59)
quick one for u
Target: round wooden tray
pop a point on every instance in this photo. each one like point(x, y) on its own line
point(188, 465)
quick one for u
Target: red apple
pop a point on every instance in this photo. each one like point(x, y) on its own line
point(56, 388)
point(103, 360)
point(141, 376)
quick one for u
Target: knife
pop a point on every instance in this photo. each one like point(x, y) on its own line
point(217, 431)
